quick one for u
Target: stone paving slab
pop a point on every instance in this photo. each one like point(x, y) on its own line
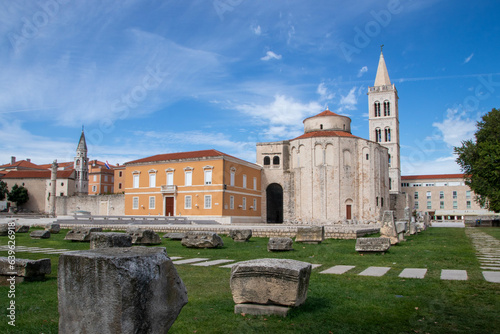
point(375, 271)
point(492, 276)
point(211, 263)
point(229, 265)
point(413, 273)
point(457, 275)
point(338, 270)
point(189, 261)
point(173, 258)
point(314, 266)
point(489, 267)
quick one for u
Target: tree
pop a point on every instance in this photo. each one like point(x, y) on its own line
point(480, 161)
point(3, 190)
point(18, 195)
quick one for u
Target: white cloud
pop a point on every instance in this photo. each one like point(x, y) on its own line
point(349, 101)
point(362, 71)
point(468, 59)
point(323, 92)
point(257, 30)
point(441, 165)
point(270, 55)
point(456, 127)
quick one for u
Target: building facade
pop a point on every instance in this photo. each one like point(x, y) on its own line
point(201, 184)
point(101, 178)
point(119, 179)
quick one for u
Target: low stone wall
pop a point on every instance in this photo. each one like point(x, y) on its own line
point(104, 205)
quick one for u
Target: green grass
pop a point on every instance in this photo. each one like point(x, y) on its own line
point(345, 303)
point(493, 231)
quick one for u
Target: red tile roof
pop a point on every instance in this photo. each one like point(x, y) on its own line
point(183, 155)
point(36, 174)
point(64, 165)
point(435, 176)
point(22, 164)
point(325, 113)
point(326, 134)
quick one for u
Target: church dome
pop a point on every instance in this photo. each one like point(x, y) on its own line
point(327, 121)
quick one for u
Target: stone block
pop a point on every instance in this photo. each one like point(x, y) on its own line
point(401, 227)
point(22, 228)
point(240, 235)
point(54, 228)
point(388, 228)
point(81, 233)
point(110, 239)
point(32, 269)
point(4, 229)
point(310, 234)
point(270, 282)
point(373, 245)
point(174, 235)
point(413, 228)
point(201, 239)
point(118, 290)
point(144, 237)
point(279, 244)
point(40, 234)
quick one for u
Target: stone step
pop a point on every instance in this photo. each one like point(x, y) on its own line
point(211, 263)
point(457, 275)
point(338, 270)
point(413, 273)
point(189, 261)
point(491, 276)
point(375, 271)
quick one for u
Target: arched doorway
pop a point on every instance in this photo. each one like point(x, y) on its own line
point(274, 203)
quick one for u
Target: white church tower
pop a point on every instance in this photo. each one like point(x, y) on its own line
point(82, 167)
point(384, 121)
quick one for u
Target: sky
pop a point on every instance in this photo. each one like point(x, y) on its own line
point(161, 76)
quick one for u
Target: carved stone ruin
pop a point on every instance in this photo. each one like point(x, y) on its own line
point(279, 244)
point(373, 245)
point(271, 284)
point(24, 269)
point(118, 290)
point(110, 239)
point(400, 230)
point(388, 229)
point(53, 228)
point(22, 228)
point(81, 233)
point(240, 235)
point(310, 234)
point(144, 237)
point(174, 235)
point(4, 229)
point(40, 234)
point(201, 239)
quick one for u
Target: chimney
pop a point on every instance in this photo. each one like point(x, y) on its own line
point(12, 160)
point(28, 159)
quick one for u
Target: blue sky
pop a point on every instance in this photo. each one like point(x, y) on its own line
point(151, 77)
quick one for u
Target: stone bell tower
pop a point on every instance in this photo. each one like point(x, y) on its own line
point(82, 167)
point(384, 121)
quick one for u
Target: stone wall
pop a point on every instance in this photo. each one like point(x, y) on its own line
point(102, 205)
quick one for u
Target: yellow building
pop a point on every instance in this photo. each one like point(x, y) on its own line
point(204, 184)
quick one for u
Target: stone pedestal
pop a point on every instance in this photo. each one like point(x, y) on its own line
point(144, 237)
point(109, 239)
point(240, 235)
point(279, 244)
point(174, 235)
point(53, 228)
point(24, 269)
point(202, 240)
point(373, 245)
point(118, 290)
point(81, 234)
point(310, 234)
point(388, 229)
point(22, 228)
point(40, 234)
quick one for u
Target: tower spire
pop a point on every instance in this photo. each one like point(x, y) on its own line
point(82, 144)
point(382, 78)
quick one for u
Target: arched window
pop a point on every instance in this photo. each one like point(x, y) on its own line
point(267, 161)
point(321, 126)
point(388, 134)
point(387, 108)
point(276, 160)
point(389, 159)
point(377, 109)
point(378, 135)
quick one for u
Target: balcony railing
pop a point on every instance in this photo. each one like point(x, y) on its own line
point(169, 189)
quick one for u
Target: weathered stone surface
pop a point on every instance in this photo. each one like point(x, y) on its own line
point(200, 239)
point(22, 228)
point(25, 267)
point(401, 228)
point(413, 228)
point(255, 309)
point(388, 229)
point(371, 245)
point(279, 244)
point(81, 233)
point(270, 281)
point(53, 228)
point(40, 234)
point(4, 229)
point(310, 234)
point(118, 290)
point(110, 239)
point(144, 237)
point(174, 236)
point(240, 235)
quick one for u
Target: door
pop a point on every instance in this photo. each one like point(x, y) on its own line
point(169, 206)
point(348, 211)
point(274, 203)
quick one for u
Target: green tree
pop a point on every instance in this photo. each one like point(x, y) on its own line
point(3, 190)
point(480, 161)
point(18, 195)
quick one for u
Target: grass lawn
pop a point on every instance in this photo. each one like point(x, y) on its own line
point(345, 303)
point(493, 231)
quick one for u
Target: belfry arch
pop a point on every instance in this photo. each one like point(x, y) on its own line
point(274, 203)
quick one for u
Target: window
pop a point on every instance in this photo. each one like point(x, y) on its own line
point(208, 201)
point(188, 178)
point(455, 195)
point(378, 135)
point(244, 181)
point(244, 203)
point(105, 178)
point(254, 204)
point(387, 108)
point(170, 178)
point(276, 160)
point(468, 203)
point(135, 203)
point(187, 202)
point(429, 205)
point(429, 195)
point(61, 194)
point(105, 189)
point(231, 202)
point(321, 126)
point(377, 109)
point(441, 204)
point(94, 189)
point(467, 194)
point(416, 195)
point(389, 157)
point(151, 202)
point(267, 161)
point(119, 185)
point(208, 176)
point(152, 180)
point(387, 134)
point(441, 195)
point(390, 184)
point(120, 174)
point(416, 205)
point(381, 201)
point(136, 181)
point(367, 156)
point(233, 173)
point(376, 201)
point(455, 205)
point(95, 178)
point(254, 183)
